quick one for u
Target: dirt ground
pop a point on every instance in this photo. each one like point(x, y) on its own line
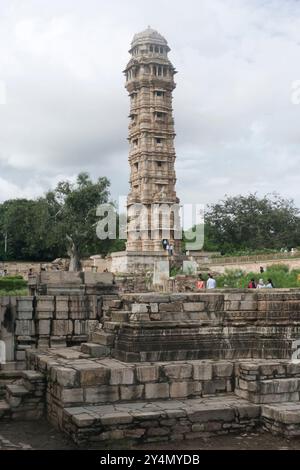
point(41, 435)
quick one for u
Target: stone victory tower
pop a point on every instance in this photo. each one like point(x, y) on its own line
point(150, 82)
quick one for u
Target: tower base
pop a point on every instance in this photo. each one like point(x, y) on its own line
point(135, 262)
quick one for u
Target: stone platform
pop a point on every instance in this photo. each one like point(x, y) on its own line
point(207, 325)
point(282, 419)
point(105, 400)
point(158, 421)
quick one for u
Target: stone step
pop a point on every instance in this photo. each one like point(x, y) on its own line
point(15, 394)
point(147, 421)
point(95, 350)
point(4, 409)
point(103, 338)
point(13, 365)
point(283, 385)
point(277, 390)
point(10, 374)
point(282, 419)
point(8, 377)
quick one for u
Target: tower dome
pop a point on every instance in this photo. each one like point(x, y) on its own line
point(150, 36)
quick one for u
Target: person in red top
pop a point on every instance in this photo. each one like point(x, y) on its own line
point(252, 284)
point(200, 284)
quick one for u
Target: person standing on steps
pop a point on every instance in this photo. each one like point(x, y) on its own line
point(252, 284)
point(211, 282)
point(200, 284)
point(260, 284)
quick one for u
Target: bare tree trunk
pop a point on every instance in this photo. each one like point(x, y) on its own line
point(73, 253)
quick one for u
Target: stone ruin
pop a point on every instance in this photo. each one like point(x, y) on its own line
point(110, 368)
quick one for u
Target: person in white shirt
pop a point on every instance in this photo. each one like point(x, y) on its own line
point(260, 284)
point(211, 282)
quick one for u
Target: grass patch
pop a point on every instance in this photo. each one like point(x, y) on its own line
point(13, 285)
point(280, 274)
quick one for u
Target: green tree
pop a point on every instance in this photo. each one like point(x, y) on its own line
point(250, 222)
point(73, 211)
point(25, 226)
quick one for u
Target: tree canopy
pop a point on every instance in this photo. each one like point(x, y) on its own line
point(61, 223)
point(252, 223)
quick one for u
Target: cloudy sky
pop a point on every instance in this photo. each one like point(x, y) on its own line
point(237, 121)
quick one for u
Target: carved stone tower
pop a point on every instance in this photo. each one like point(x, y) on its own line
point(150, 82)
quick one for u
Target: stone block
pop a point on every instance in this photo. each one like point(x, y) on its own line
point(206, 413)
point(115, 419)
point(202, 370)
point(115, 435)
point(248, 305)
point(251, 386)
point(280, 386)
point(25, 328)
point(44, 315)
point(273, 368)
point(147, 373)
point(140, 308)
point(222, 369)
point(193, 306)
point(61, 315)
point(170, 307)
point(121, 376)
point(82, 420)
point(45, 304)
point(20, 355)
point(131, 392)
point(72, 395)
point(58, 341)
point(101, 394)
point(185, 389)
point(157, 390)
point(178, 371)
point(43, 327)
point(43, 342)
point(92, 374)
point(62, 327)
point(154, 307)
point(24, 314)
point(66, 377)
point(24, 304)
point(293, 368)
point(62, 303)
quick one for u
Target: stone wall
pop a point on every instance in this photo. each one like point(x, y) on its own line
point(48, 321)
point(251, 266)
point(212, 325)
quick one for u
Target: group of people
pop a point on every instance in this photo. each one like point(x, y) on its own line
point(168, 246)
point(211, 283)
point(260, 284)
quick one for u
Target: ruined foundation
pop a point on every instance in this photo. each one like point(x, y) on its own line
point(155, 367)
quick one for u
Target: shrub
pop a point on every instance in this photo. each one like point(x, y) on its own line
point(12, 283)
